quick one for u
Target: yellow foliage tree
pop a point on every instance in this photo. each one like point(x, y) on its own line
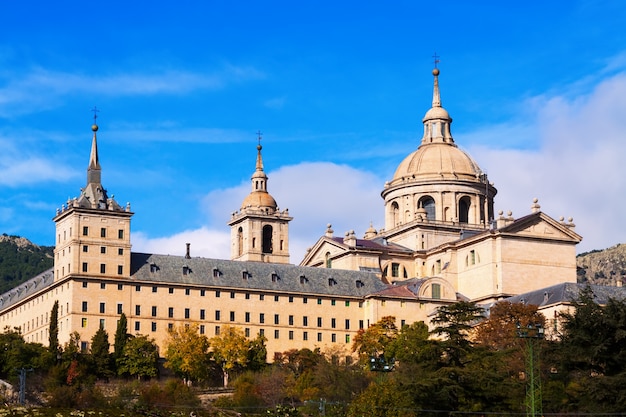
point(187, 352)
point(230, 350)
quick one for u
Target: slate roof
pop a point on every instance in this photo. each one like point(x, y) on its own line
point(566, 293)
point(270, 277)
point(25, 289)
point(377, 243)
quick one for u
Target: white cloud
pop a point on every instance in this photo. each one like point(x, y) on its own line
point(40, 88)
point(576, 170)
point(315, 194)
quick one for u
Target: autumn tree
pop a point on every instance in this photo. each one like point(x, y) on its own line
point(499, 331)
point(139, 358)
point(187, 352)
point(230, 350)
point(373, 341)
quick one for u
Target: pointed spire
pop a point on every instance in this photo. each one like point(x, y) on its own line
point(436, 96)
point(259, 158)
point(94, 170)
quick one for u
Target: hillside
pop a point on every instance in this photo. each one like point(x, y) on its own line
point(603, 267)
point(21, 259)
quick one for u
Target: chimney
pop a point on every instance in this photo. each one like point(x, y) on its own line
point(188, 255)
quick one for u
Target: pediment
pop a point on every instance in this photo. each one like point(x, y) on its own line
point(317, 254)
point(541, 226)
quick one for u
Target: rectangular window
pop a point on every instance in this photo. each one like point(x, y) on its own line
point(202, 293)
point(261, 317)
point(333, 338)
point(319, 337)
point(305, 321)
point(153, 326)
point(247, 318)
point(137, 288)
point(84, 309)
point(347, 338)
point(137, 326)
point(402, 323)
point(436, 291)
point(333, 323)
point(103, 232)
point(290, 334)
point(202, 314)
point(217, 293)
point(154, 311)
point(170, 290)
point(187, 291)
point(319, 301)
point(120, 251)
point(262, 332)
point(202, 329)
point(102, 308)
point(217, 315)
point(103, 249)
point(170, 326)
point(276, 334)
point(170, 312)
point(83, 322)
point(347, 303)
point(305, 300)
point(217, 330)
point(347, 324)
point(247, 296)
point(246, 332)
point(319, 322)
point(137, 310)
point(291, 320)
point(84, 284)
point(103, 285)
point(291, 298)
point(102, 323)
point(84, 266)
point(261, 297)
point(85, 248)
point(103, 268)
point(187, 313)
point(332, 302)
point(276, 319)
point(120, 287)
point(232, 294)
point(154, 288)
point(360, 324)
point(305, 335)
point(119, 308)
point(85, 230)
point(120, 234)
point(276, 298)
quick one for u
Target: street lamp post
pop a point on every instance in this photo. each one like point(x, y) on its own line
point(531, 333)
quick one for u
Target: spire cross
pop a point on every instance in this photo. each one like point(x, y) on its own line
point(95, 114)
point(436, 58)
point(259, 134)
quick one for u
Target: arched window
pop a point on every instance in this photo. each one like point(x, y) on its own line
point(464, 207)
point(239, 241)
point(428, 204)
point(395, 213)
point(267, 239)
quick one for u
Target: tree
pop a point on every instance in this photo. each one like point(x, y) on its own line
point(455, 322)
point(187, 352)
point(121, 337)
point(373, 341)
point(230, 350)
point(499, 331)
point(100, 356)
point(257, 353)
point(139, 358)
point(53, 337)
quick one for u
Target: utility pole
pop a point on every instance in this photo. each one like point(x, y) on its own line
point(532, 333)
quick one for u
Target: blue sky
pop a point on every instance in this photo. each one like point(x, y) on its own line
point(537, 91)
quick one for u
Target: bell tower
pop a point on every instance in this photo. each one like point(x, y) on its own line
point(92, 230)
point(259, 230)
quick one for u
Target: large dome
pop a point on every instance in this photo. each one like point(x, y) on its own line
point(437, 161)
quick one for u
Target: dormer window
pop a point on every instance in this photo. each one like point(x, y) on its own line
point(245, 274)
point(216, 273)
point(186, 270)
point(332, 281)
point(303, 279)
point(275, 277)
point(359, 283)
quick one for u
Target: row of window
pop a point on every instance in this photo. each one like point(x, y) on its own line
point(217, 330)
point(218, 293)
point(103, 269)
point(103, 233)
point(218, 315)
